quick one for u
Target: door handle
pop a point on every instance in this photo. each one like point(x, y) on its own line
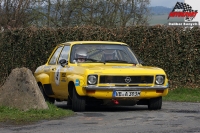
point(53, 69)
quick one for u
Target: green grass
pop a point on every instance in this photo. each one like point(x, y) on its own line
point(15, 116)
point(183, 95)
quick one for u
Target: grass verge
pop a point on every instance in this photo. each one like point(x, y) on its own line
point(183, 95)
point(17, 117)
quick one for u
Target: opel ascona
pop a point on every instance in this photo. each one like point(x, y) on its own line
point(98, 73)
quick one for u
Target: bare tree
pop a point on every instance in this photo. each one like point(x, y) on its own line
point(114, 12)
point(60, 13)
point(15, 13)
point(143, 13)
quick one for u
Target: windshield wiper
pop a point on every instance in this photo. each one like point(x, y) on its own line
point(93, 60)
point(116, 61)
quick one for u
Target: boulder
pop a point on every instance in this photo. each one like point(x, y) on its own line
point(21, 91)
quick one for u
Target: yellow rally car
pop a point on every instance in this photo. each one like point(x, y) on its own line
point(100, 72)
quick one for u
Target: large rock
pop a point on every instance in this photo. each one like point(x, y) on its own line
point(21, 91)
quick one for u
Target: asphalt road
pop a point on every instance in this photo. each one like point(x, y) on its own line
point(174, 117)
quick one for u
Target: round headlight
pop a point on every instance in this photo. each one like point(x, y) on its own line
point(92, 79)
point(159, 80)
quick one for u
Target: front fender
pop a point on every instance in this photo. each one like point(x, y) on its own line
point(78, 81)
point(43, 78)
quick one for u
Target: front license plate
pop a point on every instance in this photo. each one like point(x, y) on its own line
point(126, 93)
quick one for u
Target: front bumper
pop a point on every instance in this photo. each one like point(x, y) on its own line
point(135, 88)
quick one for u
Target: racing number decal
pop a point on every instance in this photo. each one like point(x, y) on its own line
point(57, 75)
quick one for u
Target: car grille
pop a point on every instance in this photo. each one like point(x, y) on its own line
point(126, 79)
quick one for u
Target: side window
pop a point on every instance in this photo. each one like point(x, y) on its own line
point(55, 56)
point(65, 53)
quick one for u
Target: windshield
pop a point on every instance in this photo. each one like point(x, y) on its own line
point(102, 53)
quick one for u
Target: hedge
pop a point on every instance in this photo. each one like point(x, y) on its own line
point(175, 50)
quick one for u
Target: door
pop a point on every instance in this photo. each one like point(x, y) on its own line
point(59, 77)
point(55, 71)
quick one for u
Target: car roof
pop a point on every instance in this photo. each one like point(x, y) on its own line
point(92, 42)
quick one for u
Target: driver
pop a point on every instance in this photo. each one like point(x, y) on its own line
point(81, 54)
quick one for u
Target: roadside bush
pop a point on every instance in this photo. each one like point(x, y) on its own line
point(173, 49)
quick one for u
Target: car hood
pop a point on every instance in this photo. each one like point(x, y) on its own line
point(138, 69)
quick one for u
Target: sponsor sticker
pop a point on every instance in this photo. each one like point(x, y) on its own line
point(77, 82)
point(57, 75)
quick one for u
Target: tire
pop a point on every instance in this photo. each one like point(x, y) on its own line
point(51, 100)
point(155, 103)
point(69, 101)
point(78, 102)
point(46, 98)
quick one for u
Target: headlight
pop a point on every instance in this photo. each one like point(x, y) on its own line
point(92, 79)
point(160, 79)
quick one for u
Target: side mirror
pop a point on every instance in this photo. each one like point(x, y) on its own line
point(63, 62)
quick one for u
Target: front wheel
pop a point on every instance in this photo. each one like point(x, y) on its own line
point(78, 102)
point(155, 103)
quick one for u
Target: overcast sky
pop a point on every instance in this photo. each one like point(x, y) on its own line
point(166, 3)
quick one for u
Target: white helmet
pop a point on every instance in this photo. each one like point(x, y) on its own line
point(81, 52)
